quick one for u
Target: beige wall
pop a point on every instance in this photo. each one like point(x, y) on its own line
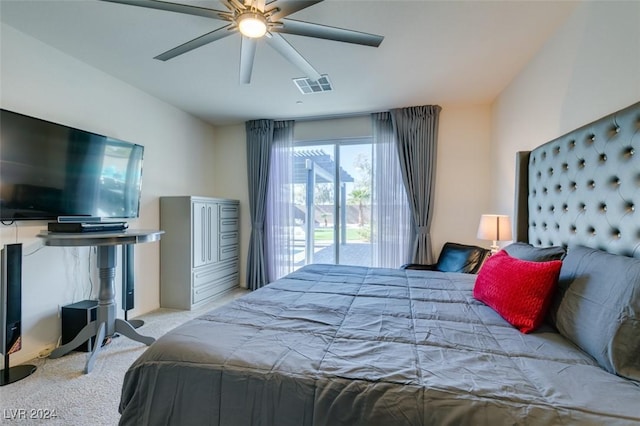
point(588, 69)
point(230, 181)
point(462, 187)
point(462, 175)
point(40, 81)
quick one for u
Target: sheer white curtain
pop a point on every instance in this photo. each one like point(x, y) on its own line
point(279, 216)
point(391, 227)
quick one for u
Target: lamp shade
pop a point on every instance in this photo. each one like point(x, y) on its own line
point(494, 227)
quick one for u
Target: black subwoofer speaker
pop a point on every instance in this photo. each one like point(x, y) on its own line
point(74, 317)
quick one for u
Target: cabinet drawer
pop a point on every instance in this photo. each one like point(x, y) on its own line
point(228, 252)
point(204, 292)
point(228, 239)
point(228, 225)
point(228, 212)
point(204, 277)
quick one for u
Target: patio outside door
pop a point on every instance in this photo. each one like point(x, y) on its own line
point(332, 196)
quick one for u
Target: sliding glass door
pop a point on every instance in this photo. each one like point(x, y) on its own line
point(332, 202)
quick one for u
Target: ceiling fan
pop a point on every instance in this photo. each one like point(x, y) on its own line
point(254, 19)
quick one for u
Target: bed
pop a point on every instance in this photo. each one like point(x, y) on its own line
point(347, 345)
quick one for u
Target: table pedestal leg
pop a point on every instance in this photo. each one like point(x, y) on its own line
point(87, 332)
point(106, 323)
point(91, 360)
point(126, 329)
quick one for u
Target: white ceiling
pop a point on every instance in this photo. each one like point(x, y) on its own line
point(434, 52)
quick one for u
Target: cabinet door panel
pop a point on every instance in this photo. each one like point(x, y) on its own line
point(199, 234)
point(212, 233)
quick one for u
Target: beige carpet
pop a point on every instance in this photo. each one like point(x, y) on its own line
point(59, 387)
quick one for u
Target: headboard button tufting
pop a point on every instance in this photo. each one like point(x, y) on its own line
point(587, 182)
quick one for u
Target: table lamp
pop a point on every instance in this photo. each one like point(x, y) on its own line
point(494, 227)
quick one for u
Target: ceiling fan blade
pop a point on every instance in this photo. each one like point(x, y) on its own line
point(308, 29)
point(247, 53)
point(172, 7)
point(283, 47)
point(282, 8)
point(197, 42)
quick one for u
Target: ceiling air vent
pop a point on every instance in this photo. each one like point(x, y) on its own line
point(307, 86)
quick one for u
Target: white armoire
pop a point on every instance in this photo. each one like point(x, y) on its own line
point(199, 250)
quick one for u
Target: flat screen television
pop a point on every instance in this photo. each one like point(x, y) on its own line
point(48, 170)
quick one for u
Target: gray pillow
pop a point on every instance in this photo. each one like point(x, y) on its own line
point(524, 251)
point(597, 307)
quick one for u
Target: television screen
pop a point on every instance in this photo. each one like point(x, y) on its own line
point(49, 170)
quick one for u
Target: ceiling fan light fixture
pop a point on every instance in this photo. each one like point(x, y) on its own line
point(252, 24)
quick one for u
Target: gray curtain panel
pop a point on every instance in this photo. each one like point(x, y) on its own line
point(259, 141)
point(417, 136)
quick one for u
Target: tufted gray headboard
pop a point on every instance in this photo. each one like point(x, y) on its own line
point(583, 187)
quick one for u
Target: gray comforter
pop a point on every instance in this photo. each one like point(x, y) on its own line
point(338, 345)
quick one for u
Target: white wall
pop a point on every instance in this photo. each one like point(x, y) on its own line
point(41, 81)
point(462, 176)
point(588, 69)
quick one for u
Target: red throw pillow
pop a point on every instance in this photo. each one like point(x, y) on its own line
point(519, 290)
